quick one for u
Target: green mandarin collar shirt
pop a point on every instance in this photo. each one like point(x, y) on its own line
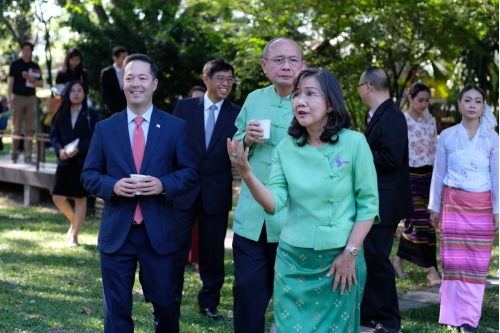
point(324, 190)
point(249, 216)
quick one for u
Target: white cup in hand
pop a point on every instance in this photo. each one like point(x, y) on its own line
point(138, 177)
point(265, 124)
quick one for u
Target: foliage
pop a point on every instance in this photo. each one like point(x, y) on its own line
point(445, 43)
point(175, 40)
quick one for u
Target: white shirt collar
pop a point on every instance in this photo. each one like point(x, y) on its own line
point(146, 115)
point(208, 102)
point(119, 70)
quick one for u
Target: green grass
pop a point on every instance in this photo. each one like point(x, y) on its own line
point(45, 285)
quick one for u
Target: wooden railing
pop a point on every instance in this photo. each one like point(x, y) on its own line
point(40, 142)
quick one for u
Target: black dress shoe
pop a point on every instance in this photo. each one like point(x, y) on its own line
point(212, 313)
point(368, 323)
point(379, 328)
point(466, 328)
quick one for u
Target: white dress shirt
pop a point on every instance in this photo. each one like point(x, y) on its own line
point(207, 104)
point(119, 75)
point(74, 117)
point(468, 164)
point(144, 124)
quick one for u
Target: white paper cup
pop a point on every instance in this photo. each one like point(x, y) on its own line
point(138, 177)
point(265, 124)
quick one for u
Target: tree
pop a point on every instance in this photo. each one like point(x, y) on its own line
point(174, 39)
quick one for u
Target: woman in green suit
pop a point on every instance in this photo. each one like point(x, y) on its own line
point(324, 173)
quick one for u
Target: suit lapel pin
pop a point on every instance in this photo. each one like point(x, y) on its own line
point(158, 125)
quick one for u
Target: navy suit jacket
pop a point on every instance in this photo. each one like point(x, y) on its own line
point(61, 135)
point(168, 156)
point(387, 136)
point(213, 163)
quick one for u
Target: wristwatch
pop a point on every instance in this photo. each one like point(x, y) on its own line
point(352, 250)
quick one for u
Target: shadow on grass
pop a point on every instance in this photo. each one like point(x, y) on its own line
point(426, 319)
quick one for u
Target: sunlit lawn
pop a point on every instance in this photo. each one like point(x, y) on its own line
point(48, 287)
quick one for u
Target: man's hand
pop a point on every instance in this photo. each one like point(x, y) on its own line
point(254, 133)
point(126, 187)
point(28, 77)
point(150, 186)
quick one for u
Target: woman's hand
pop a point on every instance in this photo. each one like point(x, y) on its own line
point(239, 158)
point(495, 221)
point(62, 155)
point(434, 219)
point(344, 269)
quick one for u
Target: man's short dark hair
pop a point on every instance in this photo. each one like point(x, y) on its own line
point(144, 58)
point(217, 65)
point(28, 44)
point(117, 50)
point(377, 77)
point(272, 41)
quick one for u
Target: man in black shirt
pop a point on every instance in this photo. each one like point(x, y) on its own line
point(24, 76)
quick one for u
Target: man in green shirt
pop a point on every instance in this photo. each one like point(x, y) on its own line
point(257, 233)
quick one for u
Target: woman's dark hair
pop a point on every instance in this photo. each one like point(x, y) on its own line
point(470, 87)
point(416, 88)
point(338, 118)
point(74, 52)
point(64, 109)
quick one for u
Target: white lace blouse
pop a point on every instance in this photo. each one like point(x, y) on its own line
point(471, 165)
point(422, 140)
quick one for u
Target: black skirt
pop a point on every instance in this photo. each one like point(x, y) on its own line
point(68, 181)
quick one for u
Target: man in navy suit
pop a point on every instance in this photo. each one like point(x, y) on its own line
point(111, 83)
point(139, 228)
point(210, 121)
point(387, 136)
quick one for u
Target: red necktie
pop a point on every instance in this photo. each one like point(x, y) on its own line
point(138, 146)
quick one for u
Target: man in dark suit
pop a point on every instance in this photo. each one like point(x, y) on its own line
point(210, 121)
point(137, 223)
point(387, 136)
point(111, 83)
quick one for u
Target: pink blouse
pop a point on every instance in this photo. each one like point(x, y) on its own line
point(422, 141)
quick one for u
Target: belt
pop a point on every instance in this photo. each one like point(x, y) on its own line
point(137, 224)
point(456, 188)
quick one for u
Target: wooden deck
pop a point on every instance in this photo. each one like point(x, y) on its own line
point(27, 175)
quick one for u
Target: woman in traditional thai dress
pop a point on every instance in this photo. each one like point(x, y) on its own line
point(324, 175)
point(464, 192)
point(418, 238)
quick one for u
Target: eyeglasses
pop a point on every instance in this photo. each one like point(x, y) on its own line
point(295, 97)
point(280, 61)
point(221, 79)
point(361, 84)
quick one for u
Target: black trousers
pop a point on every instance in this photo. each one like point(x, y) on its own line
point(253, 281)
point(212, 230)
point(380, 300)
